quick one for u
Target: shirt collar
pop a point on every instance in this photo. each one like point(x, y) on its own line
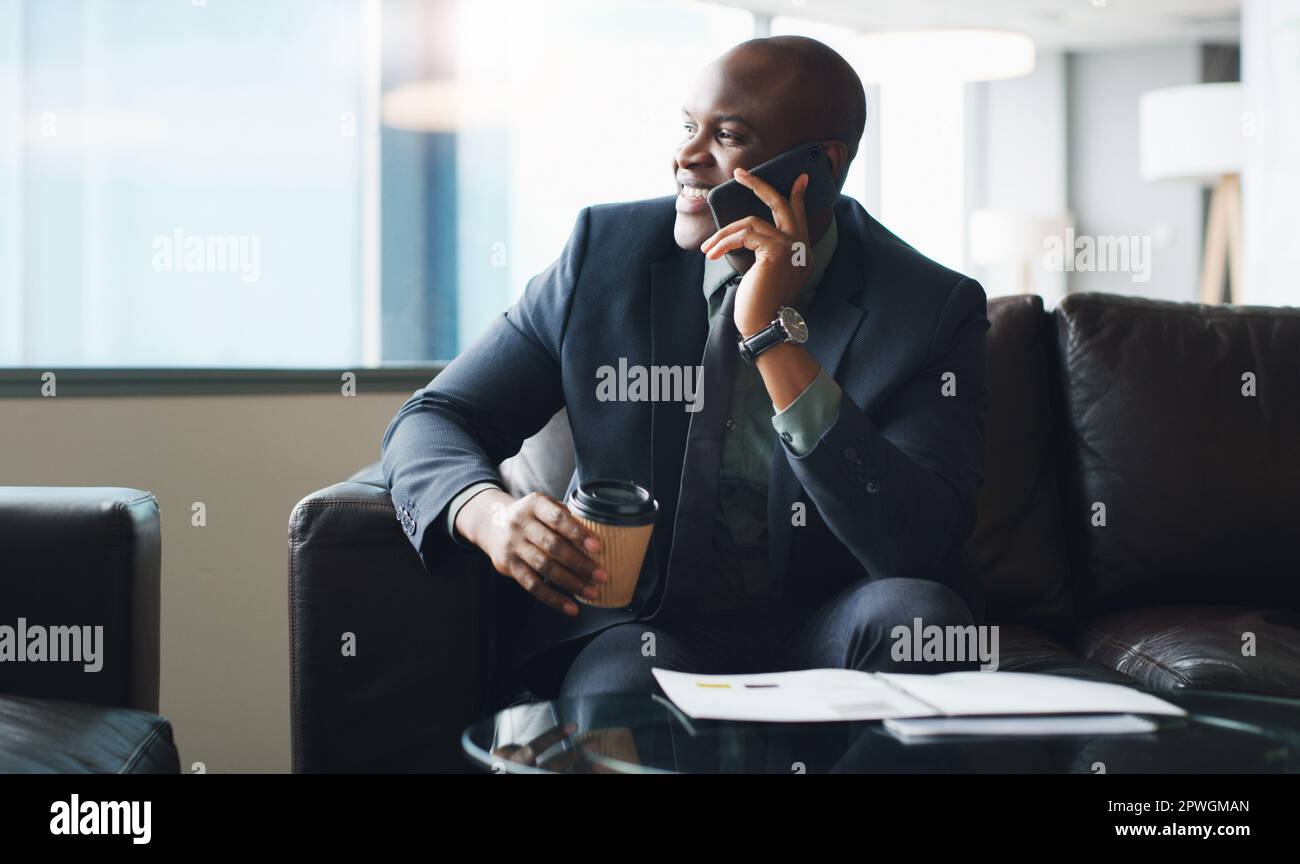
point(719, 271)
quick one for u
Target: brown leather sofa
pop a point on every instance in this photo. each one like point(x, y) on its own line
point(1140, 522)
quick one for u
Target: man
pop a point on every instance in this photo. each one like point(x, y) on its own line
point(822, 494)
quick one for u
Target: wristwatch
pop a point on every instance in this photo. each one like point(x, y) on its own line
point(788, 327)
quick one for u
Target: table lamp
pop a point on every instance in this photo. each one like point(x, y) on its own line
point(1195, 133)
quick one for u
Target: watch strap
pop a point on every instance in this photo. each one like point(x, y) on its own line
point(770, 336)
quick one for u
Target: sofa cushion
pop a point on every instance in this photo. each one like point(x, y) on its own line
point(1018, 542)
point(545, 462)
point(1198, 481)
point(1024, 649)
point(1167, 647)
point(47, 736)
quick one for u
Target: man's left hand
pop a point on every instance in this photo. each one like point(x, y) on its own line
point(782, 253)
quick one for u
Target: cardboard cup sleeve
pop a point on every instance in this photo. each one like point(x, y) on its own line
point(622, 549)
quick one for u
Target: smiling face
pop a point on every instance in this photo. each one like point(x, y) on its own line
point(745, 108)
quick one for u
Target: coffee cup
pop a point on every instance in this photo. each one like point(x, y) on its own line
point(621, 515)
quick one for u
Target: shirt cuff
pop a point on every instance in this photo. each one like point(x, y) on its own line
point(461, 499)
point(805, 420)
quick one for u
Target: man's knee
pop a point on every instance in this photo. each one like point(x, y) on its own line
point(894, 602)
point(618, 660)
point(913, 625)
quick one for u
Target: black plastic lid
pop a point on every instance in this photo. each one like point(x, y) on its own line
point(614, 502)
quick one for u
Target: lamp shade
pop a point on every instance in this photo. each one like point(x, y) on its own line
point(1192, 132)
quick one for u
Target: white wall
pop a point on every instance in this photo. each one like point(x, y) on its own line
point(225, 624)
point(1017, 163)
point(1064, 140)
point(1107, 194)
point(1271, 176)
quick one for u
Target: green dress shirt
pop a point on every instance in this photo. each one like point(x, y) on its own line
point(747, 449)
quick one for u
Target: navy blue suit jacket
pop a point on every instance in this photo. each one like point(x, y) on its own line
point(889, 490)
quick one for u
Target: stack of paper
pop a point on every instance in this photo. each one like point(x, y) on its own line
point(844, 694)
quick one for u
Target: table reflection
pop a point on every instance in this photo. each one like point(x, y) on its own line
point(638, 733)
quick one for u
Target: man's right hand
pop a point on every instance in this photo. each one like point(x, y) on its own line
point(536, 541)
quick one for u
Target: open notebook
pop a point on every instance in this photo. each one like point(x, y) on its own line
point(814, 695)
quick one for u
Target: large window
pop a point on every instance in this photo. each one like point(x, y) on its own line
point(241, 183)
point(181, 183)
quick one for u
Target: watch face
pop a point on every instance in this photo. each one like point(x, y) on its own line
point(792, 321)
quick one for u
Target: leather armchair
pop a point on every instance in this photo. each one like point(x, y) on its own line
point(81, 574)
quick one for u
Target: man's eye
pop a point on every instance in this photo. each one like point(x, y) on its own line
point(727, 136)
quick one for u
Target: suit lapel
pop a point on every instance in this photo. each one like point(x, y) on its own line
point(836, 312)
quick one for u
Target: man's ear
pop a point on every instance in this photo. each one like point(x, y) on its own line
point(837, 153)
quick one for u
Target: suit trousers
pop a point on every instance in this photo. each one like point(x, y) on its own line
point(851, 630)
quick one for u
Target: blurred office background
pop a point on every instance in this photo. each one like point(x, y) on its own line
point(384, 177)
point(405, 166)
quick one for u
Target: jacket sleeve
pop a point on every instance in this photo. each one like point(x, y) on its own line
point(478, 411)
point(899, 490)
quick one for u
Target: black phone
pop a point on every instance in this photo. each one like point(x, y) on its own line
point(730, 201)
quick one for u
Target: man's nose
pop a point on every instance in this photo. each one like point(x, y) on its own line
point(693, 150)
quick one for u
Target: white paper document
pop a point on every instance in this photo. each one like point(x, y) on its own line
point(813, 695)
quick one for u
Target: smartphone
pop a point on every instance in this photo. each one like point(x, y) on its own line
point(730, 201)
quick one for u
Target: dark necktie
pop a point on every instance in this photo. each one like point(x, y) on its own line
point(691, 574)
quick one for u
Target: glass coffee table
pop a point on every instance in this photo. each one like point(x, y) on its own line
point(643, 734)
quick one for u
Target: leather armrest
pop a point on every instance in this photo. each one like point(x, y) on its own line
point(80, 572)
point(386, 657)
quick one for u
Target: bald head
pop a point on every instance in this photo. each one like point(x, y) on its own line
point(758, 100)
point(818, 86)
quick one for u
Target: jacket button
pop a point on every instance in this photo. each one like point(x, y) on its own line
point(873, 487)
point(731, 425)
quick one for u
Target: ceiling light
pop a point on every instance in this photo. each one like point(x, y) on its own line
point(965, 55)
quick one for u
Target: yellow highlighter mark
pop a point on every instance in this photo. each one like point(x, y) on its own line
point(708, 684)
